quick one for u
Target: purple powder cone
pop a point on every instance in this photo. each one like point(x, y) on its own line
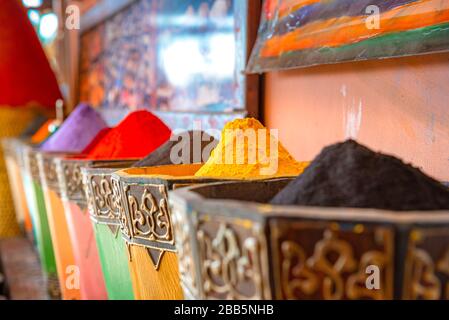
point(77, 131)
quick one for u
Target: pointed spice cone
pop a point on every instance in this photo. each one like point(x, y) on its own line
point(25, 73)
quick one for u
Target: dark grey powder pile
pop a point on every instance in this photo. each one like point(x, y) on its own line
point(351, 175)
point(161, 156)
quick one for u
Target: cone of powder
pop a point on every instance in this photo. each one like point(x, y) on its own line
point(95, 141)
point(351, 175)
point(77, 131)
point(184, 148)
point(216, 166)
point(25, 72)
point(139, 134)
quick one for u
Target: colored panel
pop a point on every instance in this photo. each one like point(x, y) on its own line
point(114, 263)
point(85, 252)
point(68, 272)
point(152, 284)
point(43, 237)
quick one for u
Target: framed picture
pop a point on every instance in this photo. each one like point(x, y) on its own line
point(171, 56)
point(301, 33)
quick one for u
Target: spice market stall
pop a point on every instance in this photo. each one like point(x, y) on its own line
point(224, 149)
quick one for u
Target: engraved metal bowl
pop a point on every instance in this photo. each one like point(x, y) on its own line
point(232, 245)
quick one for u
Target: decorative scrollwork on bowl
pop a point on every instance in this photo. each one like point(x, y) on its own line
point(119, 212)
point(149, 216)
point(74, 180)
point(184, 250)
point(49, 173)
point(331, 267)
point(427, 269)
point(231, 261)
point(33, 166)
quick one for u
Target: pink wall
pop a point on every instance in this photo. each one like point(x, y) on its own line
point(398, 106)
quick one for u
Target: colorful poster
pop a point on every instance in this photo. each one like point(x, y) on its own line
point(300, 33)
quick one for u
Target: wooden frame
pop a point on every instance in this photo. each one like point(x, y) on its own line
point(254, 99)
point(106, 9)
point(101, 12)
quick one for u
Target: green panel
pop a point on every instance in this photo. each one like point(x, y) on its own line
point(41, 230)
point(114, 263)
point(45, 245)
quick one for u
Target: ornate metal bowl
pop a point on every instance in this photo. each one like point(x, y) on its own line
point(142, 198)
point(98, 190)
point(233, 246)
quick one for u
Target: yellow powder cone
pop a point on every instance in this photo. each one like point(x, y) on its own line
point(244, 152)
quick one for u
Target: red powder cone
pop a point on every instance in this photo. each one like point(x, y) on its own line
point(139, 134)
point(25, 73)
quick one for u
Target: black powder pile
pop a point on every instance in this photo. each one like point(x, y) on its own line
point(198, 143)
point(351, 175)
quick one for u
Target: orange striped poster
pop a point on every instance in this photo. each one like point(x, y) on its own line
point(300, 33)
